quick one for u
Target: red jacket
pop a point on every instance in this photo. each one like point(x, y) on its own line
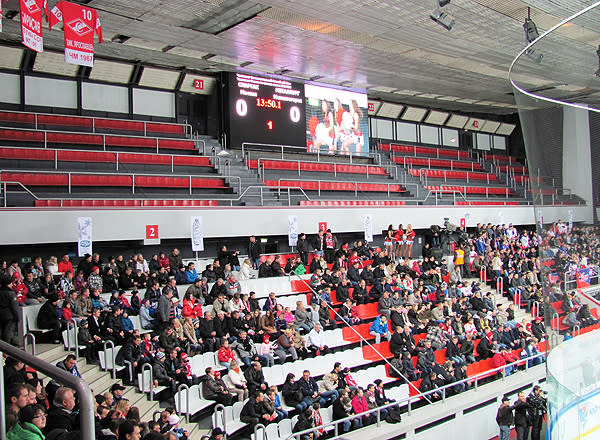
point(359, 404)
point(191, 309)
point(225, 354)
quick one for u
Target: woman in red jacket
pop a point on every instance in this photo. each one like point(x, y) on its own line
point(399, 239)
point(359, 405)
point(191, 307)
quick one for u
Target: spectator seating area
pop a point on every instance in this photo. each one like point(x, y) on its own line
point(59, 159)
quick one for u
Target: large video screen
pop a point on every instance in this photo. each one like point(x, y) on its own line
point(337, 121)
point(265, 110)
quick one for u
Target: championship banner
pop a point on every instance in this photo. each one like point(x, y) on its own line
point(292, 230)
point(368, 228)
point(84, 242)
point(31, 23)
point(79, 23)
point(196, 234)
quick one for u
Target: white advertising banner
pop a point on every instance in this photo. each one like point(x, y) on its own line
point(368, 228)
point(196, 234)
point(84, 241)
point(570, 219)
point(292, 230)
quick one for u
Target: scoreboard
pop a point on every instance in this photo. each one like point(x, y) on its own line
point(265, 110)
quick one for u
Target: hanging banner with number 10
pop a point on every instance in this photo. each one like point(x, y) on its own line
point(80, 23)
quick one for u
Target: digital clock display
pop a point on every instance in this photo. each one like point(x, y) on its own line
point(265, 110)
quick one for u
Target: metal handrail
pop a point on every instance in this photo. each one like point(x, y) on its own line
point(130, 370)
point(27, 336)
point(319, 181)
point(261, 165)
point(187, 401)
point(85, 395)
point(103, 135)
point(144, 368)
point(220, 412)
point(264, 432)
point(10, 182)
point(410, 399)
point(113, 357)
point(132, 175)
point(94, 119)
point(115, 153)
point(362, 339)
point(245, 145)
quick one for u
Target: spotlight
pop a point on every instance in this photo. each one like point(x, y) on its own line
point(440, 17)
point(598, 71)
point(531, 33)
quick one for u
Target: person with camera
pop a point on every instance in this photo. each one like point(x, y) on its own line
point(536, 410)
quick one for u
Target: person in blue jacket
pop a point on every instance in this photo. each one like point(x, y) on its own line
point(379, 328)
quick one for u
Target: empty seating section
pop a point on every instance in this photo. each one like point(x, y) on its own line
point(465, 190)
point(322, 167)
point(57, 155)
point(416, 150)
point(98, 140)
point(40, 120)
point(327, 185)
point(516, 169)
point(428, 162)
point(352, 203)
point(123, 203)
point(488, 203)
point(453, 175)
point(114, 180)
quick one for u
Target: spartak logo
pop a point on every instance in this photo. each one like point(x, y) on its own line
point(80, 27)
point(32, 6)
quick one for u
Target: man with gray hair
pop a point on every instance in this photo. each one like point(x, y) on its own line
point(61, 416)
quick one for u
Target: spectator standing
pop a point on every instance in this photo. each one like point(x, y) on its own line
point(505, 419)
point(254, 252)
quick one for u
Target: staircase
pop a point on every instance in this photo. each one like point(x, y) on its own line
point(100, 381)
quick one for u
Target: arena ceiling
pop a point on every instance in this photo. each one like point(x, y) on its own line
point(390, 47)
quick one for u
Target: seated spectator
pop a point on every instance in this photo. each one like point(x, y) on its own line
point(246, 350)
point(225, 354)
point(69, 364)
point(301, 318)
point(486, 346)
point(255, 412)
point(342, 408)
point(131, 351)
point(310, 390)
point(293, 395)
point(359, 405)
point(285, 346)
point(379, 328)
point(255, 378)
point(531, 350)
point(305, 422)
point(31, 424)
point(213, 388)
point(316, 341)
point(48, 318)
point(360, 294)
point(147, 321)
point(17, 397)
point(191, 273)
point(426, 359)
point(273, 396)
point(430, 383)
point(237, 382)
point(328, 387)
point(61, 415)
point(160, 375)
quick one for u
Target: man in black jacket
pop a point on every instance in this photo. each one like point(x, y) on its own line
point(132, 352)
point(61, 415)
point(255, 378)
point(254, 411)
point(207, 332)
point(160, 375)
point(254, 252)
point(521, 423)
point(48, 318)
point(9, 315)
point(113, 329)
point(504, 418)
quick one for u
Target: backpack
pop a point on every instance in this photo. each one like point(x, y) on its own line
point(393, 415)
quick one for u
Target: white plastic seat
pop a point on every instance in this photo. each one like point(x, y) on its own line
point(232, 424)
point(108, 361)
point(70, 339)
point(285, 428)
point(197, 404)
point(145, 386)
point(272, 431)
point(197, 364)
point(327, 415)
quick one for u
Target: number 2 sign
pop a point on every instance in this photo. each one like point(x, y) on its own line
point(151, 232)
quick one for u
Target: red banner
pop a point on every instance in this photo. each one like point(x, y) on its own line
point(79, 24)
point(31, 23)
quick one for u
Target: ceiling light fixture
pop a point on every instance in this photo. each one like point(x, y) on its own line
point(531, 34)
point(441, 17)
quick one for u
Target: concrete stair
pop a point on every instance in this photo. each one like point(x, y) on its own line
point(101, 381)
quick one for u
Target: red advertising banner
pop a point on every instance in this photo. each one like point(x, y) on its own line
point(80, 23)
point(31, 23)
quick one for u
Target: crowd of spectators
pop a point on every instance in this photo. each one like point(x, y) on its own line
point(423, 305)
